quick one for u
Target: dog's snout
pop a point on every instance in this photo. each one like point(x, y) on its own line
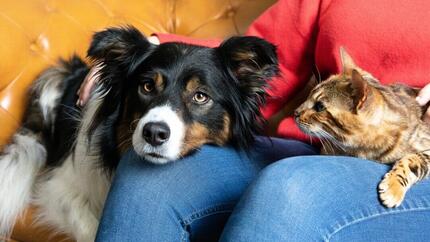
point(156, 133)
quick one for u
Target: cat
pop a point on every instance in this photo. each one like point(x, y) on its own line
point(353, 114)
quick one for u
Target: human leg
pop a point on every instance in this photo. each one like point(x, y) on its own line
point(189, 199)
point(323, 198)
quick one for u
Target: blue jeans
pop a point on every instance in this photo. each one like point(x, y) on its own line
point(219, 193)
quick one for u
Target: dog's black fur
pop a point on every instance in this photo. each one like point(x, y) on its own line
point(235, 73)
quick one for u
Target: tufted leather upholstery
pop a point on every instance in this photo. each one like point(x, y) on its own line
point(34, 33)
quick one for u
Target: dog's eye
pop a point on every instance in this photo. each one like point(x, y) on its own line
point(200, 98)
point(319, 106)
point(148, 86)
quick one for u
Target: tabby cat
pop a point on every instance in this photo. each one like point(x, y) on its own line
point(353, 114)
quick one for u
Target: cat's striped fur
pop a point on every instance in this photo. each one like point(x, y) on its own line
point(353, 114)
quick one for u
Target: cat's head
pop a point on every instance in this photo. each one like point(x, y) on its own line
point(336, 107)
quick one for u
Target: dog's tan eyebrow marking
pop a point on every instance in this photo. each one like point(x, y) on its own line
point(243, 55)
point(192, 84)
point(159, 81)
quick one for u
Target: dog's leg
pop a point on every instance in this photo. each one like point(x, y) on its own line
point(72, 197)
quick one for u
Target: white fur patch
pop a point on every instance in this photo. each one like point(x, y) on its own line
point(19, 166)
point(48, 101)
point(171, 149)
point(71, 197)
point(50, 87)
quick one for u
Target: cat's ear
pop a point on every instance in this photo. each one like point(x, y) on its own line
point(359, 90)
point(348, 63)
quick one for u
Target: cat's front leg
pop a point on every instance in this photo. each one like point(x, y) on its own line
point(405, 172)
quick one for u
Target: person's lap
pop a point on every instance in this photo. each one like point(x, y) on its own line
point(325, 198)
point(192, 199)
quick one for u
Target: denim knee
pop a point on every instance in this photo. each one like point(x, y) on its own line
point(319, 198)
point(172, 183)
point(289, 201)
point(304, 179)
point(177, 198)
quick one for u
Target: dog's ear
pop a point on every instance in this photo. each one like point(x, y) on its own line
point(249, 59)
point(249, 63)
point(118, 46)
point(120, 50)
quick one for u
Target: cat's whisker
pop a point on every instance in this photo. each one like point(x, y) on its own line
point(324, 142)
point(329, 138)
point(329, 145)
point(319, 79)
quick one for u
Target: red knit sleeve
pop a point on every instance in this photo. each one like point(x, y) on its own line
point(292, 26)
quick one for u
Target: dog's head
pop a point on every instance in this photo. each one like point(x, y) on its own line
point(169, 99)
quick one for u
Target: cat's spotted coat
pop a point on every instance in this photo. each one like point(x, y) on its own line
point(353, 114)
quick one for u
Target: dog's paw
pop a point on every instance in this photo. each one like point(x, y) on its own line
point(391, 191)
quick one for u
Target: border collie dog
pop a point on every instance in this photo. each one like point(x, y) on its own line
point(164, 101)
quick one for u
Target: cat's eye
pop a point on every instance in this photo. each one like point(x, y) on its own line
point(148, 86)
point(319, 107)
point(200, 98)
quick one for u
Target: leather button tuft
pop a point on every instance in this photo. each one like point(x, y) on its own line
point(40, 44)
point(230, 11)
point(50, 9)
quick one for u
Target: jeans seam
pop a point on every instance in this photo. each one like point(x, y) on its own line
point(355, 221)
point(202, 213)
point(184, 236)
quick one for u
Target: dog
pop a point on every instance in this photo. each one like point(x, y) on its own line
point(164, 101)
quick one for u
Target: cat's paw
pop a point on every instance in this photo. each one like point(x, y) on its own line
point(391, 191)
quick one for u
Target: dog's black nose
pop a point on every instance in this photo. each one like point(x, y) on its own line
point(156, 133)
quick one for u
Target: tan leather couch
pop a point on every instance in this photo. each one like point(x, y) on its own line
point(34, 33)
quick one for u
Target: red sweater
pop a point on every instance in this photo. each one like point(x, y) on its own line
point(388, 38)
